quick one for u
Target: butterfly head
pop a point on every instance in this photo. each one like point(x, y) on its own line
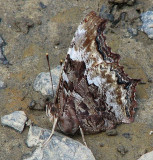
point(51, 111)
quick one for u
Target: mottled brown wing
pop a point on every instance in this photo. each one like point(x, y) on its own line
point(94, 92)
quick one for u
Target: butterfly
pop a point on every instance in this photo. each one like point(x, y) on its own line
point(94, 93)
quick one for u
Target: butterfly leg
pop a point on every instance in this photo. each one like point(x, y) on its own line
point(53, 130)
point(82, 134)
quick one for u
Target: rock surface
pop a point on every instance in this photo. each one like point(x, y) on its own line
point(147, 156)
point(42, 82)
point(59, 147)
point(147, 26)
point(15, 120)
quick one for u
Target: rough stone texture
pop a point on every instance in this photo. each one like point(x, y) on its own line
point(42, 82)
point(147, 26)
point(15, 120)
point(59, 148)
point(147, 156)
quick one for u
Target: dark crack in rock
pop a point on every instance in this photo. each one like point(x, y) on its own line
point(127, 2)
point(3, 59)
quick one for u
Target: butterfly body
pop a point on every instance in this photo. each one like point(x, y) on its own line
point(94, 93)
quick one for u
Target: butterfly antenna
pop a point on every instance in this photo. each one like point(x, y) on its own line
point(47, 57)
point(53, 130)
point(82, 134)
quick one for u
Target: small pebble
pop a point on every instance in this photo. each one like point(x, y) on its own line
point(151, 132)
point(41, 4)
point(122, 150)
point(133, 32)
point(111, 132)
point(101, 144)
point(127, 135)
point(29, 122)
point(32, 104)
point(15, 120)
point(2, 85)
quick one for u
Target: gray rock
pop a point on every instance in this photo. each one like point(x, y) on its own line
point(42, 82)
point(2, 85)
point(105, 13)
point(147, 156)
point(59, 147)
point(15, 120)
point(147, 26)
